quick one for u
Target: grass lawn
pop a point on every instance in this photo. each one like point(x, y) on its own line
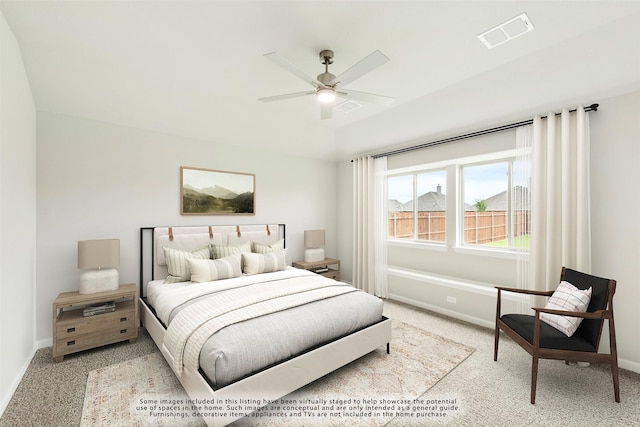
point(518, 242)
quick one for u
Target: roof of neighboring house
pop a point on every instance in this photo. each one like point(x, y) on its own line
point(521, 200)
point(435, 201)
point(394, 206)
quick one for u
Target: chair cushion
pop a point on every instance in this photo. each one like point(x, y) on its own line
point(550, 337)
point(566, 297)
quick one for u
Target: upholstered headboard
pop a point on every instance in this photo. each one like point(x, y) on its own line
point(153, 239)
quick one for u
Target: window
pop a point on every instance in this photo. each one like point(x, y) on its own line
point(490, 194)
point(493, 216)
point(417, 206)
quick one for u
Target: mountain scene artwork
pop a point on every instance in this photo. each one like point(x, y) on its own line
point(210, 192)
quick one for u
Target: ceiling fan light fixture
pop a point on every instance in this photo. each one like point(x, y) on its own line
point(326, 94)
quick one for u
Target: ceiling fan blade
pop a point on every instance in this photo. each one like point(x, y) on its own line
point(326, 110)
point(371, 62)
point(366, 97)
point(286, 96)
point(292, 68)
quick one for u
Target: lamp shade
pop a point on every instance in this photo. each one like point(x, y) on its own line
point(98, 253)
point(313, 238)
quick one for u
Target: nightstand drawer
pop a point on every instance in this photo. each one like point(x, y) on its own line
point(329, 267)
point(100, 322)
point(71, 344)
point(331, 274)
point(73, 332)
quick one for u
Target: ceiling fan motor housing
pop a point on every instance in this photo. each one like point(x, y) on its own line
point(326, 57)
point(326, 78)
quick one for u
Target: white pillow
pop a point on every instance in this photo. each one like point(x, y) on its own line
point(207, 270)
point(569, 298)
point(261, 248)
point(221, 251)
point(177, 265)
point(264, 263)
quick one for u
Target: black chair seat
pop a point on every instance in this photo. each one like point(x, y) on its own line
point(550, 337)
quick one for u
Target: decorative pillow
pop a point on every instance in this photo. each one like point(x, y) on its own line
point(264, 263)
point(207, 270)
point(261, 248)
point(566, 297)
point(221, 251)
point(177, 265)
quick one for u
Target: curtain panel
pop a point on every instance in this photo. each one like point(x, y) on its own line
point(560, 204)
point(522, 200)
point(369, 225)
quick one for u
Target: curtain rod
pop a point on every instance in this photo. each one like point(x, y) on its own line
point(592, 107)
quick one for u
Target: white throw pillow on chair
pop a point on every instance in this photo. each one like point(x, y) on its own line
point(569, 298)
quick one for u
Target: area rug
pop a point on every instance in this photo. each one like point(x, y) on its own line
point(368, 392)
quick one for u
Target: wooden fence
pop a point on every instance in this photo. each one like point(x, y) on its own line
point(479, 227)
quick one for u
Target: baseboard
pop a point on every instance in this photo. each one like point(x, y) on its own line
point(629, 365)
point(47, 342)
point(16, 382)
point(451, 313)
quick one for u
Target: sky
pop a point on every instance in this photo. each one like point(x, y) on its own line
point(235, 182)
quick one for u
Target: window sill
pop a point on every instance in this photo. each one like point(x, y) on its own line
point(464, 250)
point(415, 244)
point(493, 253)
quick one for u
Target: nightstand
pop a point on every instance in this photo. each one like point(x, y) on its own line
point(329, 267)
point(73, 332)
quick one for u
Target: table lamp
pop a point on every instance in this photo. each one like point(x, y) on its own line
point(94, 255)
point(314, 245)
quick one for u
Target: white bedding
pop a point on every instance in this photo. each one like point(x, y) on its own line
point(239, 349)
point(196, 323)
point(164, 297)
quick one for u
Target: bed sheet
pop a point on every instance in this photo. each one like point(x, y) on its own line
point(249, 346)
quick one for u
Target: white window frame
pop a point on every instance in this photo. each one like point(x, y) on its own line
point(509, 161)
point(414, 172)
point(454, 210)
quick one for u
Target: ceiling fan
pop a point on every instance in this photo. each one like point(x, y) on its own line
point(328, 86)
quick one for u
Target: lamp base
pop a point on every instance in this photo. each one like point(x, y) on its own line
point(314, 255)
point(103, 280)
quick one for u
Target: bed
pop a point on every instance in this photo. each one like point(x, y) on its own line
point(236, 323)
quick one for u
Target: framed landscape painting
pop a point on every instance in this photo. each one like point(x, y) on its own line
point(215, 192)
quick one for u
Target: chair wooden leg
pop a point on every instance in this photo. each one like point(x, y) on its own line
point(614, 356)
point(616, 380)
point(534, 379)
point(497, 333)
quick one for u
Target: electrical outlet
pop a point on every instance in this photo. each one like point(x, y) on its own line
point(452, 300)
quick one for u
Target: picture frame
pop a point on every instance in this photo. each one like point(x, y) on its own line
point(216, 192)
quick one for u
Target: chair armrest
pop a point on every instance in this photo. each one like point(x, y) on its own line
point(526, 291)
point(600, 314)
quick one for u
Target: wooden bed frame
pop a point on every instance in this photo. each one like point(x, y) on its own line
point(269, 384)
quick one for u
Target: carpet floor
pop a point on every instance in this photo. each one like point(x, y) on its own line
point(117, 395)
point(486, 393)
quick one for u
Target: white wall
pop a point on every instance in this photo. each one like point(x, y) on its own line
point(615, 198)
point(97, 180)
point(615, 202)
point(17, 215)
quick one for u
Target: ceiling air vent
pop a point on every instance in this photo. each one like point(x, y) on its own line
point(347, 106)
point(506, 31)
